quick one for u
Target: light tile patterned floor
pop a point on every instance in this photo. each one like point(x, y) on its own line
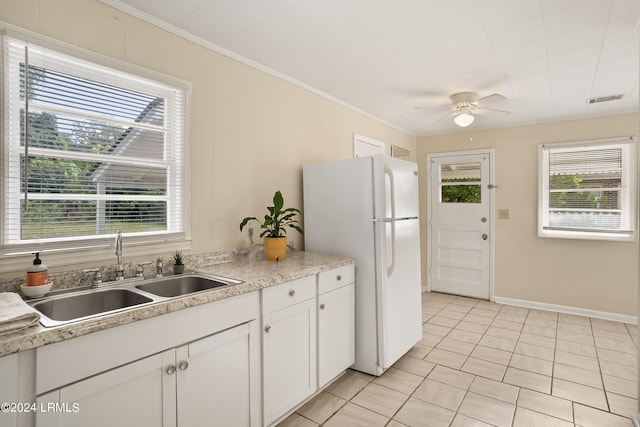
point(486, 364)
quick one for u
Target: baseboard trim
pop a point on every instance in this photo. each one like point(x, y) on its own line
point(569, 310)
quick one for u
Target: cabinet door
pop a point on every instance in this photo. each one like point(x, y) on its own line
point(219, 379)
point(137, 394)
point(336, 333)
point(9, 388)
point(289, 358)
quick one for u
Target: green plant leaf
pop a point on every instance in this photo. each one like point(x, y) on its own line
point(246, 220)
point(278, 201)
point(295, 227)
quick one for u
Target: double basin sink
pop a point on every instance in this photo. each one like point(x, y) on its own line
point(115, 298)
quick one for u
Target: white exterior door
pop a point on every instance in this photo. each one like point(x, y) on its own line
point(460, 223)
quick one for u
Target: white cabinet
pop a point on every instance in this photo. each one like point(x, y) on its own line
point(336, 323)
point(193, 367)
point(130, 395)
point(17, 379)
point(209, 380)
point(9, 388)
point(219, 379)
point(289, 346)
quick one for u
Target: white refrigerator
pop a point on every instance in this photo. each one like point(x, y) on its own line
point(367, 208)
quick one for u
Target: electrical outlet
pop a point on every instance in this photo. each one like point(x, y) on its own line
point(503, 213)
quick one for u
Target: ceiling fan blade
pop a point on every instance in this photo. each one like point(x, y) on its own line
point(455, 113)
point(505, 112)
point(494, 97)
point(428, 107)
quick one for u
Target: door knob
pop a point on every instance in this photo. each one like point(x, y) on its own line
point(267, 328)
point(322, 306)
point(171, 369)
point(183, 365)
point(484, 236)
point(483, 219)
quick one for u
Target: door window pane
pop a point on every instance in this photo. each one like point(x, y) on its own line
point(460, 183)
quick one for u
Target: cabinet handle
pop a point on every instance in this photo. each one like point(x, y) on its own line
point(322, 306)
point(183, 365)
point(267, 328)
point(292, 292)
point(339, 277)
point(171, 369)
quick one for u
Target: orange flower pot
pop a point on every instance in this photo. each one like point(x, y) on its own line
point(275, 248)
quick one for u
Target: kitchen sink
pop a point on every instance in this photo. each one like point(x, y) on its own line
point(62, 309)
point(79, 306)
point(183, 285)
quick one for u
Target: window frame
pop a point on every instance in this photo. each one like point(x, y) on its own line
point(628, 190)
point(95, 247)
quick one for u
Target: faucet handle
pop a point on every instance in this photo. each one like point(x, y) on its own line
point(97, 278)
point(139, 269)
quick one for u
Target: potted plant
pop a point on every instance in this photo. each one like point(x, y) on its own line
point(275, 225)
point(178, 264)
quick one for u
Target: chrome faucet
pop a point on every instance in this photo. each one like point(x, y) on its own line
point(118, 253)
point(159, 266)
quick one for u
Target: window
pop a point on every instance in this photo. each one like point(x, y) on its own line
point(460, 183)
point(588, 190)
point(89, 149)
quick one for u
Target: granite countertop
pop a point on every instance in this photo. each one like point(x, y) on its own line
point(256, 274)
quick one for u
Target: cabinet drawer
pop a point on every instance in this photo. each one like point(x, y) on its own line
point(289, 293)
point(333, 279)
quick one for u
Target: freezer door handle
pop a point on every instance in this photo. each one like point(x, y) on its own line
point(392, 189)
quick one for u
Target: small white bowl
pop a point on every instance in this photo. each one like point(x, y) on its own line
point(36, 291)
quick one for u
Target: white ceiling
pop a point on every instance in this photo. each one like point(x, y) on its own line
point(387, 57)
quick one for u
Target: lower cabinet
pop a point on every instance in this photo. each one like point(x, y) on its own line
point(336, 332)
point(130, 395)
point(219, 379)
point(288, 346)
point(308, 337)
point(9, 389)
point(210, 365)
point(210, 381)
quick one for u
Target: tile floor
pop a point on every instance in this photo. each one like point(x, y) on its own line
point(486, 364)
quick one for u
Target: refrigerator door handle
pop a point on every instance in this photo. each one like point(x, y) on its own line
point(391, 267)
point(394, 219)
point(391, 199)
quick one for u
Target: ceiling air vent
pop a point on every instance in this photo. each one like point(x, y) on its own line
point(604, 99)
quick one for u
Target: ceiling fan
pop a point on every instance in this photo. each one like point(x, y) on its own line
point(465, 105)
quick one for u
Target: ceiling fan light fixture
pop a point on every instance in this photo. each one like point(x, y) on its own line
point(463, 119)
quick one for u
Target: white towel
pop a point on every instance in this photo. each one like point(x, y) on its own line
point(15, 314)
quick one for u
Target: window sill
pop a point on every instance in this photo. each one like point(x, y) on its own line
point(585, 235)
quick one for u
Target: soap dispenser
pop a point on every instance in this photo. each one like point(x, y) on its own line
point(37, 274)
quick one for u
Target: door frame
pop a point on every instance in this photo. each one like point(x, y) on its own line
point(491, 152)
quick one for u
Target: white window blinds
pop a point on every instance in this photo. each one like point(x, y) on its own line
point(588, 190)
point(89, 150)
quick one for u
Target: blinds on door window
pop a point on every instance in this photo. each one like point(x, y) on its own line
point(89, 150)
